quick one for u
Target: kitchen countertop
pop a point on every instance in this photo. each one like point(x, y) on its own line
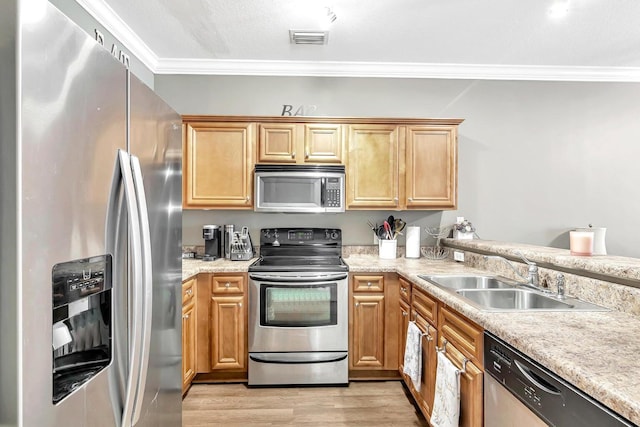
point(599, 352)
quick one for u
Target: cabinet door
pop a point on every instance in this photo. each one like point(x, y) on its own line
point(188, 345)
point(429, 364)
point(323, 143)
point(367, 338)
point(431, 167)
point(277, 142)
point(218, 165)
point(372, 161)
point(402, 334)
point(228, 337)
point(471, 389)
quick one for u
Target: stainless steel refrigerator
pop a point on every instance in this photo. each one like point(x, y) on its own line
point(90, 232)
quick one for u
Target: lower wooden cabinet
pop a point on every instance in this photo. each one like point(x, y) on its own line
point(367, 349)
point(440, 324)
point(222, 333)
point(471, 388)
point(373, 325)
point(228, 342)
point(188, 334)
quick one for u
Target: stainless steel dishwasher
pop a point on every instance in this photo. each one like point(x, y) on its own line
point(520, 392)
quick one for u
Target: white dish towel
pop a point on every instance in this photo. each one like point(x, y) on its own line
point(446, 403)
point(413, 355)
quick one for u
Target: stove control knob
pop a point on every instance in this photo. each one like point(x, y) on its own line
point(334, 235)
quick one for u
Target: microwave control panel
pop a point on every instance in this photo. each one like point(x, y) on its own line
point(332, 193)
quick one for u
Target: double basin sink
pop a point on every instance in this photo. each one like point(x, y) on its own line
point(495, 293)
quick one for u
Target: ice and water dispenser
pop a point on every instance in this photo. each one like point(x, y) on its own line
point(82, 327)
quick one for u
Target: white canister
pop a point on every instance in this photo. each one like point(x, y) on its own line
point(599, 246)
point(412, 249)
point(387, 248)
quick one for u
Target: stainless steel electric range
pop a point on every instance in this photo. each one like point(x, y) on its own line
point(298, 314)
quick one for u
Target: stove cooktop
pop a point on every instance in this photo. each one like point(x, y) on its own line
point(291, 263)
point(300, 249)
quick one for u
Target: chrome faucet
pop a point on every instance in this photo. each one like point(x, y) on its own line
point(560, 279)
point(532, 279)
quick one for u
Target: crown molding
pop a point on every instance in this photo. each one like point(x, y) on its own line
point(397, 70)
point(103, 13)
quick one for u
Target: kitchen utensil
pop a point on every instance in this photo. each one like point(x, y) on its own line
point(387, 229)
point(398, 227)
point(391, 220)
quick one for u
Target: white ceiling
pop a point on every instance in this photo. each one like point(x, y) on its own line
point(597, 40)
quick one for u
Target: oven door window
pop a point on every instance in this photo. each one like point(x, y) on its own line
point(299, 305)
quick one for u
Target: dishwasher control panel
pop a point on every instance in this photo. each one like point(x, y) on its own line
point(550, 397)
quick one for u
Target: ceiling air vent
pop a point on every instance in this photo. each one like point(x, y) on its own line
point(308, 37)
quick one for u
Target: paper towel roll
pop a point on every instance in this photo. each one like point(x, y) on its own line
point(412, 249)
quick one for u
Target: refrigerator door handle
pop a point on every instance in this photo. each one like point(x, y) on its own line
point(145, 304)
point(128, 387)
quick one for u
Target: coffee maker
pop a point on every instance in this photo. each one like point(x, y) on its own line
point(212, 242)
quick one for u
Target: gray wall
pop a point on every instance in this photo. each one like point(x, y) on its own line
point(536, 159)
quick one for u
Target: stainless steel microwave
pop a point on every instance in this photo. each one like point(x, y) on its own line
point(299, 188)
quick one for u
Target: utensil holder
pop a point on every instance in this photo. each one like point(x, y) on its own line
point(387, 249)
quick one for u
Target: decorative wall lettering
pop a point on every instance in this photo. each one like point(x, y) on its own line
point(303, 110)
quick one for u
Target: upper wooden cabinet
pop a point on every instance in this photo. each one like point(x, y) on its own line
point(402, 167)
point(372, 166)
point(390, 163)
point(431, 164)
point(300, 143)
point(218, 161)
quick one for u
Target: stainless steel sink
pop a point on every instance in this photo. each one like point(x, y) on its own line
point(496, 293)
point(513, 299)
point(469, 281)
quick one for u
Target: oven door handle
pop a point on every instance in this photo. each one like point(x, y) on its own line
point(296, 358)
point(314, 278)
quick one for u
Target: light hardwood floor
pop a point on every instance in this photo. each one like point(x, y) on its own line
point(379, 403)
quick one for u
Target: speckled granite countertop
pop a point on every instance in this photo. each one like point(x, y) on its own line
point(599, 352)
point(191, 267)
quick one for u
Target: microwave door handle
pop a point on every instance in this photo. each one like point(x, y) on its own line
point(323, 190)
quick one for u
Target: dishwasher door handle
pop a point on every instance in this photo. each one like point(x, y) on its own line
point(537, 380)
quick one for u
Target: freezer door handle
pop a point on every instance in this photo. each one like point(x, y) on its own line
point(123, 178)
point(145, 304)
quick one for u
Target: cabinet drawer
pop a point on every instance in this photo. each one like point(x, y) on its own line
point(405, 290)
point(227, 284)
point(188, 292)
point(368, 283)
point(465, 335)
point(424, 305)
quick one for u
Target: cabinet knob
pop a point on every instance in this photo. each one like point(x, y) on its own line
point(403, 289)
point(357, 304)
point(227, 285)
point(293, 155)
point(239, 304)
point(411, 199)
point(404, 313)
point(368, 284)
point(306, 155)
point(185, 316)
point(247, 199)
point(189, 292)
